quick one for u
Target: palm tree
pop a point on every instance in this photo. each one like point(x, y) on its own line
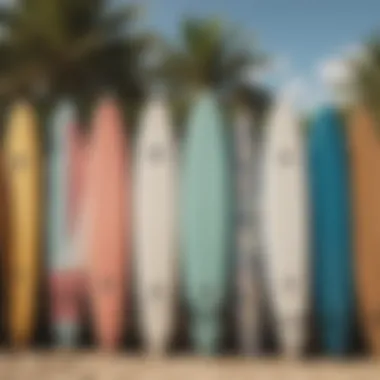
point(71, 47)
point(367, 78)
point(209, 55)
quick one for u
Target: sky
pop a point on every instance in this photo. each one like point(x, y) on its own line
point(305, 38)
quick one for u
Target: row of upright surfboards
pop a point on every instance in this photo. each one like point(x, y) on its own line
point(293, 224)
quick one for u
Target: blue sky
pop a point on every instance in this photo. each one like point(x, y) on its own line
point(302, 35)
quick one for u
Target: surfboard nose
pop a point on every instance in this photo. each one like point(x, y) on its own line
point(108, 125)
point(108, 111)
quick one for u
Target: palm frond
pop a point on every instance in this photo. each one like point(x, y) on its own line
point(367, 78)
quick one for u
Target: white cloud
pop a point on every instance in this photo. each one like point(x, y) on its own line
point(336, 75)
point(283, 78)
point(334, 71)
point(273, 73)
point(305, 92)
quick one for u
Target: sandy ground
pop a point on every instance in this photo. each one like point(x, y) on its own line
point(103, 366)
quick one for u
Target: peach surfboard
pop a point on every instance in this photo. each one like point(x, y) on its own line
point(105, 233)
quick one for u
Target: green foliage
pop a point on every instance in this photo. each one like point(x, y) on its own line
point(71, 47)
point(77, 48)
point(367, 77)
point(209, 55)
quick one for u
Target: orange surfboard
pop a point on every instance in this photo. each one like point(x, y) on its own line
point(365, 159)
point(4, 257)
point(106, 235)
point(23, 175)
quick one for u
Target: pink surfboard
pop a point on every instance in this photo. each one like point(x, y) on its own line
point(106, 229)
point(67, 284)
point(65, 274)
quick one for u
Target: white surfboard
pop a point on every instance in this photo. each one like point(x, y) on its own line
point(285, 226)
point(155, 205)
point(246, 147)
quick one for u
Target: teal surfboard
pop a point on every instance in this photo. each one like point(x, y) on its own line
point(60, 261)
point(331, 222)
point(205, 224)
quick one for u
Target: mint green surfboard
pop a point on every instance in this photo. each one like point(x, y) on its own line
point(205, 224)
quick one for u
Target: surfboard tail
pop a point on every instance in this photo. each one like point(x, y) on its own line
point(336, 334)
point(22, 314)
point(206, 334)
point(248, 310)
point(66, 333)
point(21, 333)
point(66, 290)
point(374, 343)
point(293, 335)
point(156, 330)
point(371, 329)
point(21, 337)
point(108, 337)
point(249, 340)
point(108, 307)
point(157, 345)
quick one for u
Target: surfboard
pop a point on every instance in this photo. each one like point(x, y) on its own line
point(246, 160)
point(285, 231)
point(23, 176)
point(78, 225)
point(77, 170)
point(331, 231)
point(206, 200)
point(365, 160)
point(63, 261)
point(107, 190)
point(155, 222)
point(4, 255)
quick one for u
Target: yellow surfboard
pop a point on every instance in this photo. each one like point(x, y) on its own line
point(22, 174)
